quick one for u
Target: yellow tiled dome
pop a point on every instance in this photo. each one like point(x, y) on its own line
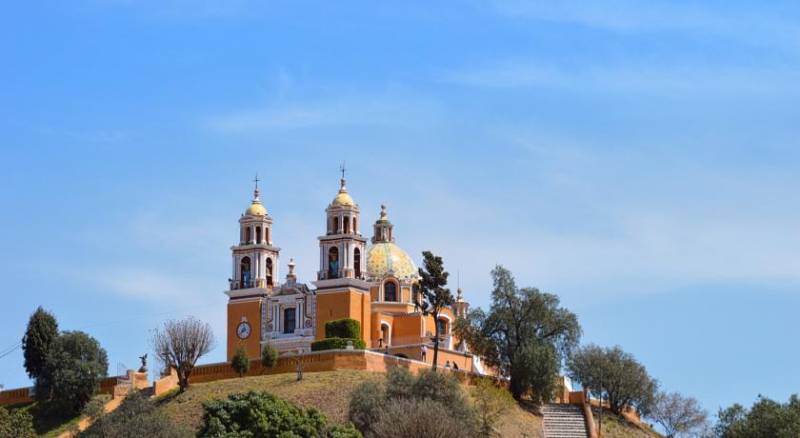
point(386, 258)
point(256, 209)
point(343, 199)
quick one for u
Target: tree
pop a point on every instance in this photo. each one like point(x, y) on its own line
point(41, 332)
point(678, 415)
point(614, 375)
point(766, 418)
point(180, 344)
point(73, 369)
point(269, 356)
point(525, 336)
point(240, 362)
point(17, 423)
point(431, 295)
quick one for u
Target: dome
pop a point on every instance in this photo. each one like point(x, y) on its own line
point(256, 209)
point(343, 199)
point(386, 258)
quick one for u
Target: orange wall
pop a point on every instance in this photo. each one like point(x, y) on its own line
point(348, 303)
point(252, 311)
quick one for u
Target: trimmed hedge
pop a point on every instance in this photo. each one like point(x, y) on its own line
point(337, 344)
point(343, 328)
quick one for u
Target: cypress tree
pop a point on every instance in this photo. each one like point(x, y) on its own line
point(41, 332)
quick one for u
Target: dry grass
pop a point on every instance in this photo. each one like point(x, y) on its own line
point(328, 392)
point(615, 426)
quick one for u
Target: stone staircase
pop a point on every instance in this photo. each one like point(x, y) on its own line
point(563, 421)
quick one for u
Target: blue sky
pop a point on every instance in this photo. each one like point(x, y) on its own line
point(640, 160)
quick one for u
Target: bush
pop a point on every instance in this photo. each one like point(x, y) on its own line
point(136, 417)
point(343, 328)
point(240, 362)
point(16, 424)
point(264, 415)
point(490, 403)
point(337, 343)
point(418, 418)
point(73, 368)
point(269, 356)
point(370, 405)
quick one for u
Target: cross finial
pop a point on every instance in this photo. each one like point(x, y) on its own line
point(256, 180)
point(342, 169)
point(256, 192)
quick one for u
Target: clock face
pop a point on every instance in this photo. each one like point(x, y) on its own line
point(243, 330)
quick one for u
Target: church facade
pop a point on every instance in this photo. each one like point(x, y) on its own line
point(369, 280)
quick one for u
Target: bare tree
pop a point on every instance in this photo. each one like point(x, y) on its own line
point(679, 415)
point(180, 344)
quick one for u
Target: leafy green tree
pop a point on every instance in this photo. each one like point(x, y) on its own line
point(431, 295)
point(240, 362)
point(269, 356)
point(39, 336)
point(525, 336)
point(17, 423)
point(255, 414)
point(73, 369)
point(136, 417)
point(766, 418)
point(613, 375)
point(678, 415)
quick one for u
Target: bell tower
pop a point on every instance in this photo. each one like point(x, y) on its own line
point(342, 289)
point(254, 275)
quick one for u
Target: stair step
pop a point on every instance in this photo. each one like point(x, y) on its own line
point(563, 421)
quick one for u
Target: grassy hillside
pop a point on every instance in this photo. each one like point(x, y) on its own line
point(330, 391)
point(618, 427)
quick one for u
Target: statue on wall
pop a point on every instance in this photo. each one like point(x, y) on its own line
point(143, 368)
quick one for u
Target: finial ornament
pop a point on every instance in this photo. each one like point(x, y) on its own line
point(256, 192)
point(342, 169)
point(383, 211)
point(291, 266)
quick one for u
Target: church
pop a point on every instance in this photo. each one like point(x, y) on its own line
point(369, 280)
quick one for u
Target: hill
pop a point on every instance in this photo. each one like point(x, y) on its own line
point(329, 392)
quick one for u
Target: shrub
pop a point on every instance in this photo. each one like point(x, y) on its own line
point(418, 418)
point(337, 343)
point(269, 356)
point(343, 328)
point(136, 417)
point(371, 405)
point(264, 415)
point(490, 403)
point(73, 367)
point(366, 403)
point(95, 409)
point(240, 362)
point(17, 424)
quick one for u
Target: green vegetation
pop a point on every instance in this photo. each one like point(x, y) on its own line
point(766, 418)
point(490, 402)
point(525, 336)
point(615, 376)
point(431, 296)
point(16, 424)
point(337, 343)
point(240, 363)
point(136, 417)
point(429, 404)
point(269, 356)
point(343, 328)
point(263, 415)
point(39, 336)
point(71, 375)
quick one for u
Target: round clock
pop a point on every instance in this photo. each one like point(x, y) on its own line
point(243, 330)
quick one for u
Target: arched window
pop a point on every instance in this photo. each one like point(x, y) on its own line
point(266, 235)
point(336, 225)
point(333, 262)
point(244, 275)
point(269, 271)
point(247, 235)
point(357, 262)
point(346, 224)
point(386, 334)
point(442, 323)
point(258, 234)
point(289, 322)
point(389, 291)
point(355, 227)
